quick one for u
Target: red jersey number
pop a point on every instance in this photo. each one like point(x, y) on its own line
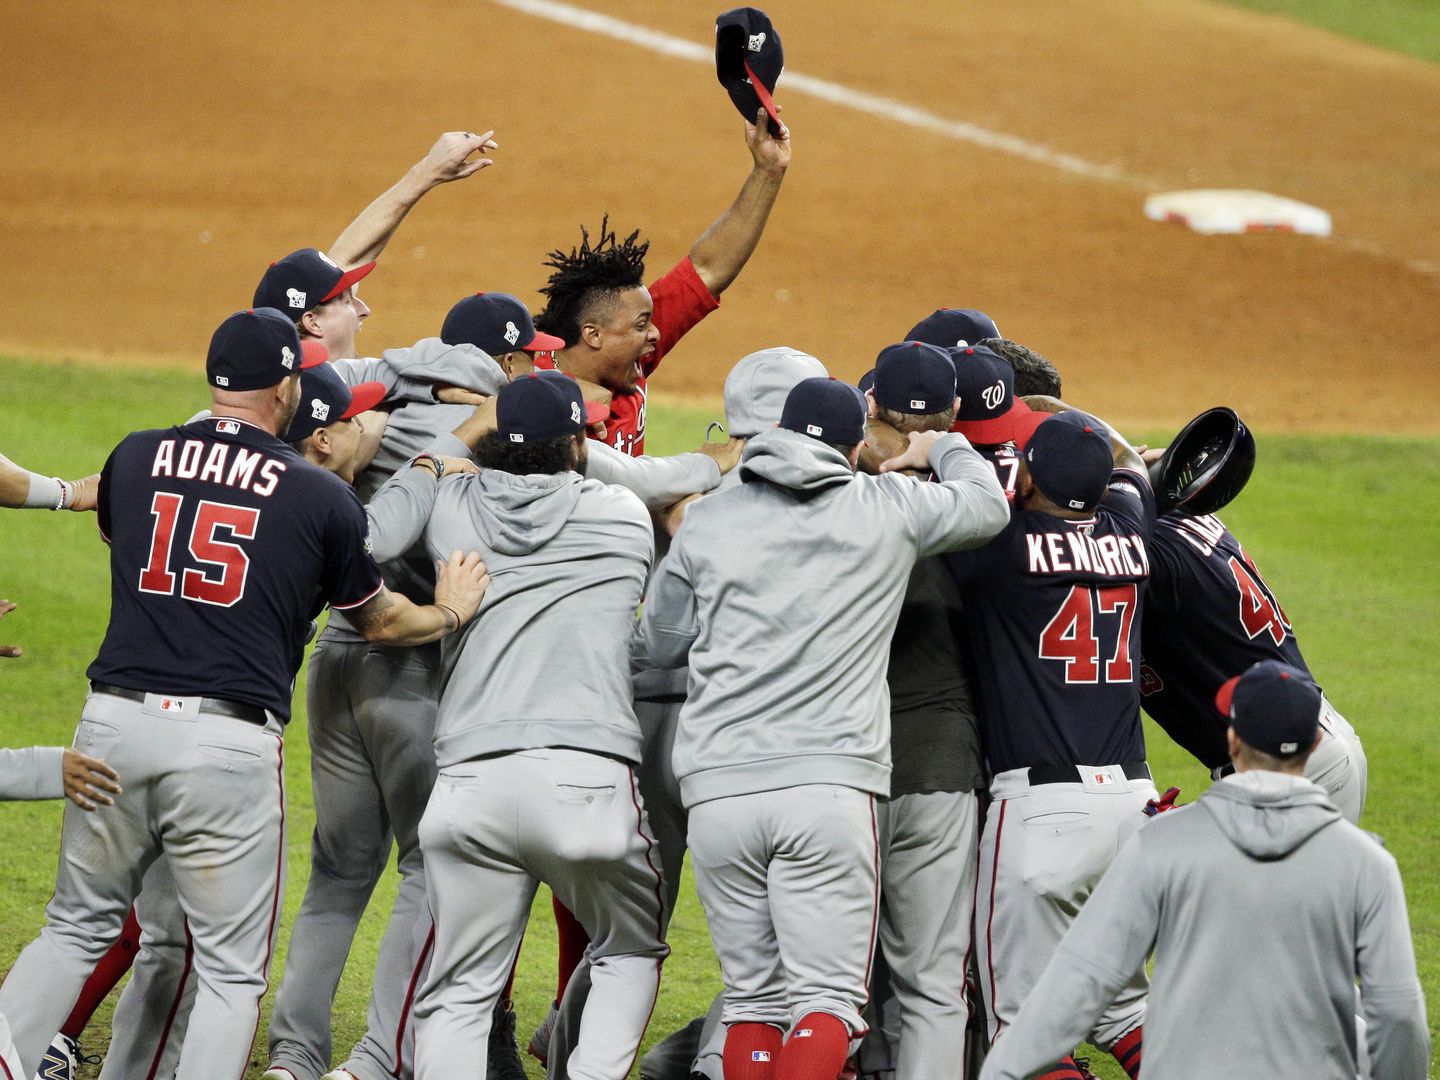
point(223, 585)
point(1260, 613)
point(1070, 635)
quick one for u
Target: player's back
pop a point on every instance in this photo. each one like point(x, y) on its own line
point(546, 661)
point(1209, 615)
point(224, 543)
point(1052, 616)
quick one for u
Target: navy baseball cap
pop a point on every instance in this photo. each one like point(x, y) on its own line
point(867, 381)
point(953, 328)
point(256, 348)
point(544, 405)
point(1273, 707)
point(748, 62)
point(826, 409)
point(496, 322)
point(1070, 459)
point(989, 412)
point(303, 280)
point(325, 399)
point(913, 377)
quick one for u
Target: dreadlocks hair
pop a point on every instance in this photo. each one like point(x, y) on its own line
point(589, 279)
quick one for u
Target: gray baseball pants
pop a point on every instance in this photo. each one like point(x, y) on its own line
point(209, 792)
point(494, 828)
point(789, 880)
point(928, 848)
point(372, 765)
point(153, 1013)
point(1043, 851)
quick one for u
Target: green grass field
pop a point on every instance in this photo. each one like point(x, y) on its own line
point(1347, 530)
point(1406, 26)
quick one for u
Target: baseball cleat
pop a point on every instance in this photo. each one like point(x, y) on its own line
point(61, 1060)
point(539, 1047)
point(502, 1056)
point(277, 1072)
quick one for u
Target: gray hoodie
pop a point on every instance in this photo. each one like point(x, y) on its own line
point(545, 663)
point(1263, 908)
point(783, 593)
point(35, 772)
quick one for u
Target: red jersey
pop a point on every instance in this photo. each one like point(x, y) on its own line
point(681, 300)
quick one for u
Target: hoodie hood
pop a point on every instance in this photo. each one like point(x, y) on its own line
point(756, 388)
point(431, 360)
point(790, 460)
point(517, 514)
point(1268, 815)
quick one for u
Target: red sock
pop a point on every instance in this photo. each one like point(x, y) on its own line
point(1066, 1070)
point(109, 971)
point(816, 1049)
point(573, 943)
point(1129, 1050)
point(751, 1051)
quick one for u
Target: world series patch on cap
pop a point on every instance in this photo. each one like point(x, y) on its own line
point(496, 323)
point(748, 62)
point(256, 348)
point(544, 405)
point(325, 400)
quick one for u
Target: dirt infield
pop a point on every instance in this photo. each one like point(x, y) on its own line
point(155, 161)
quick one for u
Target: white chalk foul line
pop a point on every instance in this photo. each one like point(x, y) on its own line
point(860, 100)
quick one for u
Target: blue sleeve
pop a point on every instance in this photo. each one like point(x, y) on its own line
point(1128, 497)
point(350, 576)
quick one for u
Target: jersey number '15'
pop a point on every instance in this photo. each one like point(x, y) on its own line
point(1071, 636)
point(202, 586)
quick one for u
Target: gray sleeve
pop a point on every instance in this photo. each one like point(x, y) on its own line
point(1104, 947)
point(965, 510)
point(370, 369)
point(671, 622)
point(1391, 998)
point(398, 512)
point(36, 772)
point(432, 363)
point(658, 481)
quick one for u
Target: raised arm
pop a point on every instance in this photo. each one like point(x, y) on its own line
point(724, 248)
point(365, 237)
point(24, 490)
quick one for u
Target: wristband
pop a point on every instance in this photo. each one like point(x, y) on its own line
point(435, 461)
point(47, 493)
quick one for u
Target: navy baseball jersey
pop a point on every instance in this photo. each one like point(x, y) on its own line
point(1208, 615)
point(219, 535)
point(1052, 618)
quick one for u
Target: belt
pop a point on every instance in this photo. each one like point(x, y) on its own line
point(1066, 774)
point(251, 714)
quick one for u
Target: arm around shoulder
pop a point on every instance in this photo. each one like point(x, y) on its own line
point(966, 509)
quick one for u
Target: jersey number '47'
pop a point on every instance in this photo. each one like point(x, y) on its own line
point(226, 583)
point(1071, 636)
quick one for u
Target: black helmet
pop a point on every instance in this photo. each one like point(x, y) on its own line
point(1206, 465)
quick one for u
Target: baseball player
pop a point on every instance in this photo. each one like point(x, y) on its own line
point(1033, 373)
point(192, 720)
point(754, 398)
point(782, 594)
point(49, 772)
point(1208, 612)
point(537, 757)
point(1263, 909)
point(616, 331)
point(1052, 614)
point(953, 328)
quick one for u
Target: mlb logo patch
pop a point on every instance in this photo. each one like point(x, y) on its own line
point(759, 1055)
point(1101, 778)
point(803, 1033)
point(814, 429)
point(916, 404)
point(171, 704)
point(517, 438)
point(228, 427)
point(295, 298)
point(221, 380)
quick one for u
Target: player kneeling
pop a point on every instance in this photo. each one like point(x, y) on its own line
point(537, 741)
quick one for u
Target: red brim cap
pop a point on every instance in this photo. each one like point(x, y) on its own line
point(1016, 425)
point(763, 93)
point(348, 278)
point(1224, 695)
point(544, 343)
point(596, 412)
point(364, 397)
point(312, 353)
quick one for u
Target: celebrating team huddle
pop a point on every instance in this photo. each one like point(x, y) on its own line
point(875, 659)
